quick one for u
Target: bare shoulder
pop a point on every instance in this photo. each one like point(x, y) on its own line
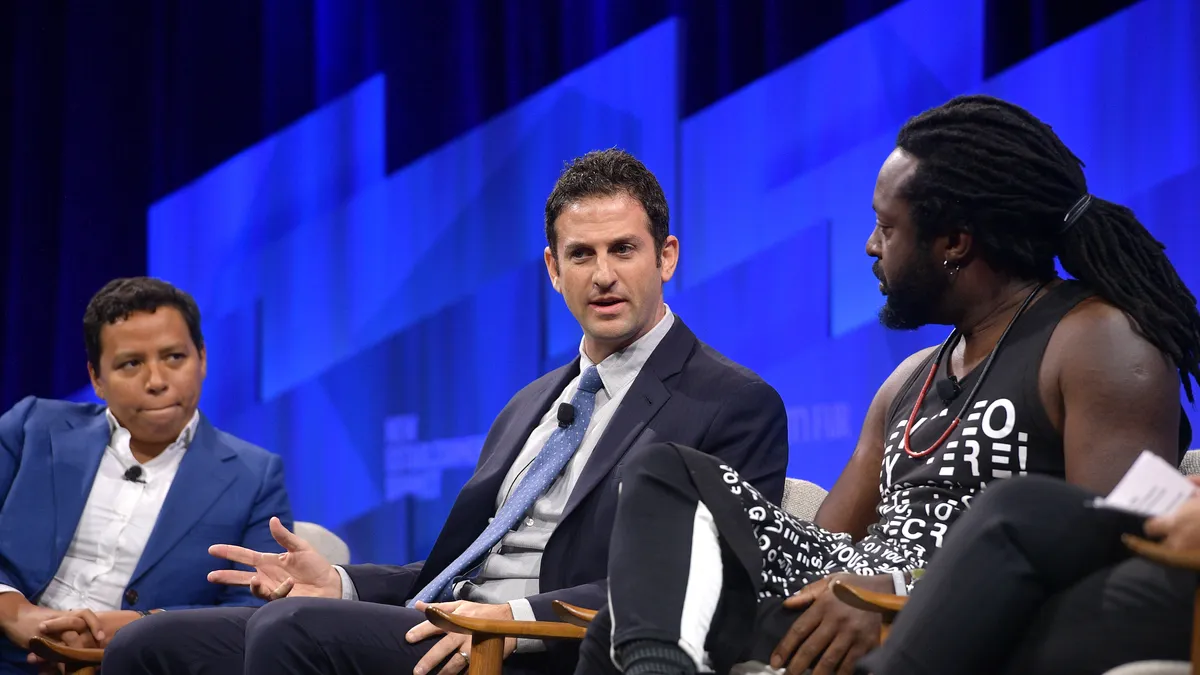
point(1096, 353)
point(1110, 392)
point(891, 386)
point(1095, 333)
point(886, 395)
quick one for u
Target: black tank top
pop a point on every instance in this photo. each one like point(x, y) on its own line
point(1005, 433)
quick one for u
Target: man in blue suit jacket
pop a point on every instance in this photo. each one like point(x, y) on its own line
point(107, 512)
point(641, 378)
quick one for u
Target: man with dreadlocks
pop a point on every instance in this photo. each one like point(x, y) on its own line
point(1040, 375)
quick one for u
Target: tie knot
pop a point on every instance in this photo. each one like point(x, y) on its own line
point(591, 382)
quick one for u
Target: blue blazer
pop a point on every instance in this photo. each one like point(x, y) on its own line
point(225, 492)
point(686, 393)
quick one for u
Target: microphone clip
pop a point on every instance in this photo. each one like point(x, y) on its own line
point(134, 474)
point(948, 389)
point(566, 415)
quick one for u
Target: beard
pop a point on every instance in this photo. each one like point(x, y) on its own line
point(912, 295)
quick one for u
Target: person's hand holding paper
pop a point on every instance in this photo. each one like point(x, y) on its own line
point(1154, 488)
point(1151, 487)
point(1179, 529)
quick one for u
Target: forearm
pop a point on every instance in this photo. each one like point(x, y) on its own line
point(587, 596)
point(12, 604)
point(384, 584)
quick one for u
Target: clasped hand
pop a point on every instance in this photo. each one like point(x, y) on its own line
point(80, 628)
point(830, 636)
point(298, 572)
point(454, 645)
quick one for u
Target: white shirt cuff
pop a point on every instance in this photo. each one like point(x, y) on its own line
point(349, 592)
point(10, 589)
point(523, 611)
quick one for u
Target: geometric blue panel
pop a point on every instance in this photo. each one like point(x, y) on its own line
point(368, 327)
point(803, 145)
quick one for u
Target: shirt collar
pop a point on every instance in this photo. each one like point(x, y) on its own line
point(620, 368)
point(118, 432)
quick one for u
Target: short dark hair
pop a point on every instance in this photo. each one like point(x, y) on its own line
point(991, 168)
point(607, 173)
point(121, 297)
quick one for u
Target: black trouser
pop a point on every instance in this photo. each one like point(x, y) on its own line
point(301, 636)
point(1031, 581)
point(666, 585)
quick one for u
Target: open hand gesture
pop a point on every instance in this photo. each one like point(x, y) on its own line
point(299, 572)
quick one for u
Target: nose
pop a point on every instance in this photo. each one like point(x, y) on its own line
point(155, 382)
point(603, 276)
point(874, 245)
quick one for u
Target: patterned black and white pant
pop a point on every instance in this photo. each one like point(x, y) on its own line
point(700, 559)
point(796, 552)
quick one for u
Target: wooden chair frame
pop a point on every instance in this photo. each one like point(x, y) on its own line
point(885, 604)
point(488, 635)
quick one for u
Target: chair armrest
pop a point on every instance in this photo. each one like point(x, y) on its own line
point(57, 652)
point(1188, 560)
point(572, 614)
point(860, 598)
point(536, 630)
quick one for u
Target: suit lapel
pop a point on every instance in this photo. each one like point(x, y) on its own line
point(477, 500)
point(204, 474)
point(76, 454)
point(642, 402)
point(513, 440)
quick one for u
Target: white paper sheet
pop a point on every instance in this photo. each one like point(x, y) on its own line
point(1151, 487)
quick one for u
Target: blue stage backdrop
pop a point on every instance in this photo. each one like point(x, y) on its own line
point(367, 325)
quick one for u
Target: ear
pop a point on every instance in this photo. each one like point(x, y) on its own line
point(203, 363)
point(552, 268)
point(669, 258)
point(97, 385)
point(960, 244)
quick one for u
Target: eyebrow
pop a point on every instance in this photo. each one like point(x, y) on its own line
point(629, 239)
point(129, 354)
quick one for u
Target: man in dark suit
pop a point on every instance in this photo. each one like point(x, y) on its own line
point(107, 512)
point(532, 525)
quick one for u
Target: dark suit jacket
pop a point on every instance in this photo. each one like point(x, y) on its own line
point(226, 491)
point(686, 393)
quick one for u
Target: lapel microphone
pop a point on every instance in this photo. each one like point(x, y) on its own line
point(566, 415)
point(134, 474)
point(948, 389)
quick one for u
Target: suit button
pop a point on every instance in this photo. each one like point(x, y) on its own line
point(131, 596)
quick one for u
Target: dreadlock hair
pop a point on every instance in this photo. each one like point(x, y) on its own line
point(992, 169)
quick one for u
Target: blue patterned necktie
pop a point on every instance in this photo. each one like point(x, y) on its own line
point(543, 471)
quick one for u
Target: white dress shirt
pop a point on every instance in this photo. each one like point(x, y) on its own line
point(510, 573)
point(115, 525)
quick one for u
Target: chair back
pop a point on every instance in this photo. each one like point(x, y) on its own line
point(802, 498)
point(325, 542)
point(1190, 466)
